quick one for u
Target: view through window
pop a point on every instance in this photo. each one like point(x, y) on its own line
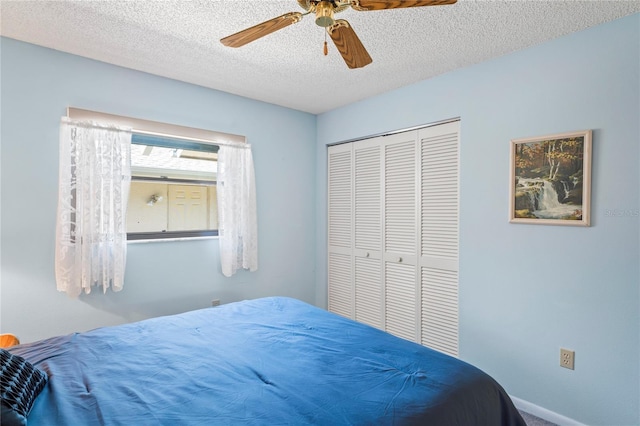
point(173, 188)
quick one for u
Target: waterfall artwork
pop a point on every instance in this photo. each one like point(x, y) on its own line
point(551, 179)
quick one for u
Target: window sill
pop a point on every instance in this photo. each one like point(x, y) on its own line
point(162, 240)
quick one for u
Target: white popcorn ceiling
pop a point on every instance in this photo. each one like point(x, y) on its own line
point(179, 39)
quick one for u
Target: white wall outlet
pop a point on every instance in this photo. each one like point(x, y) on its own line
point(215, 302)
point(567, 358)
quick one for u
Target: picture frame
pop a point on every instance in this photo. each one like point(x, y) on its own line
point(550, 179)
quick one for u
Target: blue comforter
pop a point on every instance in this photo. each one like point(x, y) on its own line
point(271, 361)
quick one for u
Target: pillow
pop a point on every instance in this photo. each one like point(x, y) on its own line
point(20, 384)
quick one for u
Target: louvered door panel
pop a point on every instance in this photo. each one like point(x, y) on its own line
point(439, 195)
point(369, 297)
point(439, 175)
point(367, 179)
point(440, 310)
point(339, 284)
point(400, 194)
point(399, 238)
point(340, 197)
point(400, 300)
point(340, 226)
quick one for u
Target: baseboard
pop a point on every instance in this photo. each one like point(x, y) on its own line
point(543, 413)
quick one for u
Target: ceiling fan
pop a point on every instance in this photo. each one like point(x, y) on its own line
point(344, 37)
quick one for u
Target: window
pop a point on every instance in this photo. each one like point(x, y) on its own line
point(173, 188)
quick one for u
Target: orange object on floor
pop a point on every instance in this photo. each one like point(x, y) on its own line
point(8, 340)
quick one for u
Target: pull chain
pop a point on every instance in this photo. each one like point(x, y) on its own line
point(326, 49)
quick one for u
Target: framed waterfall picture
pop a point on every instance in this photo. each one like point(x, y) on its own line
point(551, 179)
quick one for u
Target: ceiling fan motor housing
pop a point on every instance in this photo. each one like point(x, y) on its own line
point(324, 9)
point(324, 14)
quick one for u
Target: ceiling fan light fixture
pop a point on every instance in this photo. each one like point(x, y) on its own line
point(324, 14)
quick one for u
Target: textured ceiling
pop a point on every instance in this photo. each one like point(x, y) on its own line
point(179, 39)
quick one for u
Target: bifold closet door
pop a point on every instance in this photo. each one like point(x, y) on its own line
point(393, 234)
point(340, 224)
point(439, 206)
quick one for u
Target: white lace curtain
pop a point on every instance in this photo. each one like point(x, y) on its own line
point(237, 222)
point(94, 180)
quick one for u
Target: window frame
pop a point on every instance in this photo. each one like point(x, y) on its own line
point(169, 131)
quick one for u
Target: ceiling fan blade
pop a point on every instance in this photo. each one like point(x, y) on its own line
point(251, 34)
point(349, 45)
point(364, 5)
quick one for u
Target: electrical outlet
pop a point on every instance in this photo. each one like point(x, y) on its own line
point(215, 302)
point(567, 358)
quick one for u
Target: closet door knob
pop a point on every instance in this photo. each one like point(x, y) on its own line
point(367, 255)
point(400, 259)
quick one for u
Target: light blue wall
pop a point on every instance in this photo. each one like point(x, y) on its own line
point(162, 277)
point(527, 290)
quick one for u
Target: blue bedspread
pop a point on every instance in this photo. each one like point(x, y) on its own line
point(271, 361)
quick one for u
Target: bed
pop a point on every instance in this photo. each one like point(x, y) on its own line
point(268, 361)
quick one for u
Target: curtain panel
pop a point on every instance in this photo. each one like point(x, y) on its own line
point(237, 221)
point(94, 180)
